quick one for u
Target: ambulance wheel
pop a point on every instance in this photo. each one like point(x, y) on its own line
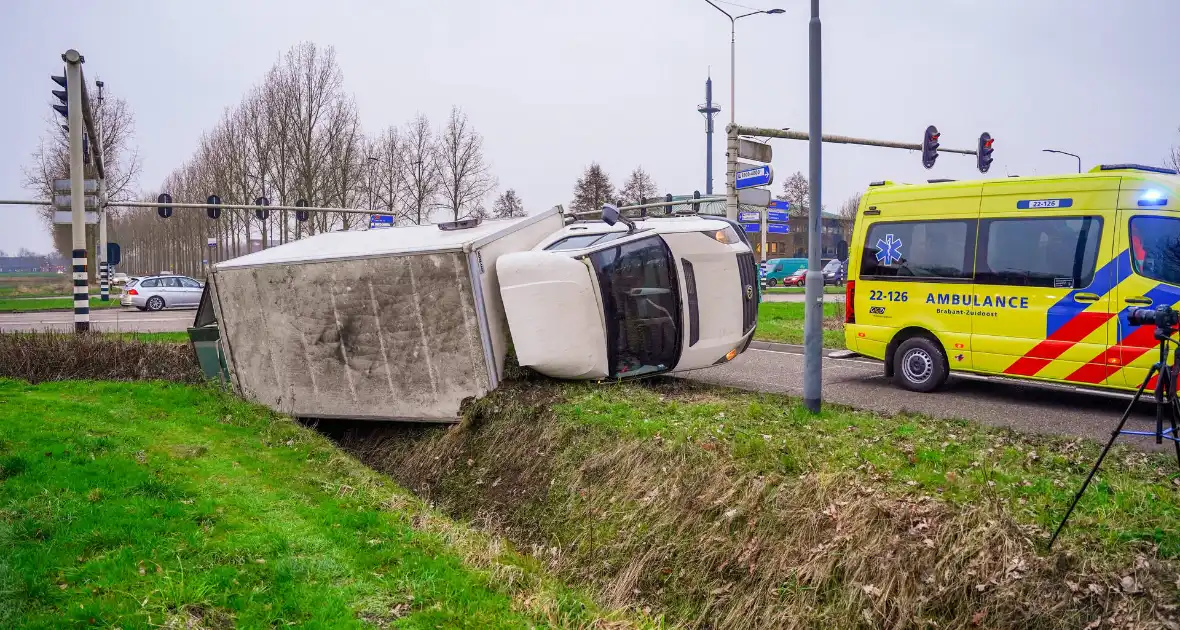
point(919, 365)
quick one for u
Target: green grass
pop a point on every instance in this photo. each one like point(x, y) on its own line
point(45, 291)
point(153, 337)
point(20, 305)
point(1135, 498)
point(782, 322)
point(138, 505)
point(829, 289)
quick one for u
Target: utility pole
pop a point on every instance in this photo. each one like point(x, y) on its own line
point(77, 191)
point(814, 312)
point(104, 268)
point(708, 110)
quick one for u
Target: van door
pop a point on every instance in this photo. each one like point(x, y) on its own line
point(1152, 271)
point(1044, 279)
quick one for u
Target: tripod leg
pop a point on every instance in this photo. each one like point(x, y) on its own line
point(1106, 449)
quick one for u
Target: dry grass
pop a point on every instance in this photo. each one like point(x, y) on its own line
point(51, 356)
point(686, 529)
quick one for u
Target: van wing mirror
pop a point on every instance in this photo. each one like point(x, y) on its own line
point(611, 215)
point(842, 250)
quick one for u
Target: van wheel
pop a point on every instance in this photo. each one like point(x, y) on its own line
point(772, 282)
point(919, 365)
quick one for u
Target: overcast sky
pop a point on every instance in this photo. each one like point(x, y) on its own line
point(555, 84)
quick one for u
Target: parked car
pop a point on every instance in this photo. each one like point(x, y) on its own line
point(796, 279)
point(119, 278)
point(154, 293)
point(833, 273)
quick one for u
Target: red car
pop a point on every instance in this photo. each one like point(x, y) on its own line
point(796, 279)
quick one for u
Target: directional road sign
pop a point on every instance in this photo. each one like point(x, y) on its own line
point(777, 217)
point(114, 254)
point(64, 201)
point(758, 176)
point(752, 227)
point(778, 228)
point(749, 217)
point(65, 217)
point(89, 186)
point(380, 221)
point(780, 204)
point(750, 150)
point(754, 197)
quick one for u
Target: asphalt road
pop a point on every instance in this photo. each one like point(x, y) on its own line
point(105, 320)
point(861, 383)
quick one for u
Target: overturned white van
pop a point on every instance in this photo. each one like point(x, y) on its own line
point(406, 323)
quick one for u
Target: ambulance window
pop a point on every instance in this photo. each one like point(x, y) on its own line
point(1155, 248)
point(942, 250)
point(1050, 252)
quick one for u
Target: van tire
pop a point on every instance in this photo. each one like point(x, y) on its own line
point(772, 282)
point(920, 365)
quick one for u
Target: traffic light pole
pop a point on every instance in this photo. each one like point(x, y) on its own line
point(77, 191)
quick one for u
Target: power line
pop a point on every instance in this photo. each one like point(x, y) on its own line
point(740, 6)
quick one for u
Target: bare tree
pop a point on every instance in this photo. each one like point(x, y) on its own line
point(796, 191)
point(849, 208)
point(1173, 159)
point(639, 186)
point(592, 189)
point(508, 205)
point(465, 176)
point(420, 161)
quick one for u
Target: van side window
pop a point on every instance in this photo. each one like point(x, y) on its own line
point(1056, 252)
point(1155, 248)
point(943, 250)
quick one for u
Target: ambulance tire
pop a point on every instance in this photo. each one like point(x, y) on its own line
point(920, 365)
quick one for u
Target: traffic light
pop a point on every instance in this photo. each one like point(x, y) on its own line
point(164, 209)
point(301, 215)
point(983, 155)
point(262, 213)
point(213, 200)
point(62, 96)
point(930, 147)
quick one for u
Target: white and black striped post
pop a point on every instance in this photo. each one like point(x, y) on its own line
point(77, 191)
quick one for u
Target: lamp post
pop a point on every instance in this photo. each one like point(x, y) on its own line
point(372, 161)
point(1079, 158)
point(732, 46)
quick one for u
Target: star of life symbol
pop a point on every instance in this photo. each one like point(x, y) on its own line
point(888, 249)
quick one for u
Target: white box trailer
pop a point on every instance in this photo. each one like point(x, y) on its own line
point(387, 324)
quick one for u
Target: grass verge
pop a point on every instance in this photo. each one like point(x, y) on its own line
point(829, 289)
point(26, 305)
point(58, 356)
point(740, 510)
point(154, 505)
point(149, 337)
point(782, 322)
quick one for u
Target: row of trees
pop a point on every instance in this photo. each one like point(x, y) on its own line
point(295, 136)
point(594, 188)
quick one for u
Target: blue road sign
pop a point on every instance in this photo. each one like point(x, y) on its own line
point(778, 228)
point(779, 204)
point(749, 217)
point(380, 221)
point(757, 176)
point(753, 227)
point(777, 217)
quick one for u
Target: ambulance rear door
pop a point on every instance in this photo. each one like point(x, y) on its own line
point(1044, 277)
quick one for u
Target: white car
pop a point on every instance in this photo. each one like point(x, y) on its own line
point(119, 278)
point(156, 293)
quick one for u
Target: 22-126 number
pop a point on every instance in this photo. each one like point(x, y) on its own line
point(889, 296)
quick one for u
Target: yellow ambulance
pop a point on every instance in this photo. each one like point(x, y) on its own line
point(1023, 277)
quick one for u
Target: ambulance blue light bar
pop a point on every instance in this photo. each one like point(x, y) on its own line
point(1153, 198)
point(1137, 167)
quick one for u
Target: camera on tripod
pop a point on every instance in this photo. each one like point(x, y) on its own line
point(1163, 316)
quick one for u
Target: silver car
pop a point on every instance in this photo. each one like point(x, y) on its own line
point(154, 293)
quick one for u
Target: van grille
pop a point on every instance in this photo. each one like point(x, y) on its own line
point(748, 274)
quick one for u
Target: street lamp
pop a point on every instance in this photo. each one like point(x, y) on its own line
point(1067, 153)
point(732, 46)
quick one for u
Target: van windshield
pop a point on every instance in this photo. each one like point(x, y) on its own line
point(641, 302)
point(1155, 247)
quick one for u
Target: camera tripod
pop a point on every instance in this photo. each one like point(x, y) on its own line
point(1165, 397)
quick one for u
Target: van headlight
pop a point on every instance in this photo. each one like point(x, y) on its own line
point(726, 236)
